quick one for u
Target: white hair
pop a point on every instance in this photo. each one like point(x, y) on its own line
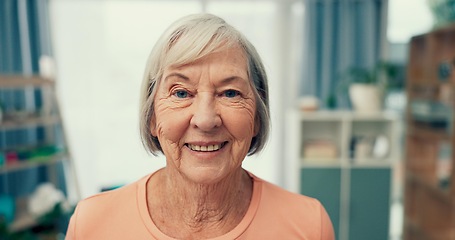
point(191, 38)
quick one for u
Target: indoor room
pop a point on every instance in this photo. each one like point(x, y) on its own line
point(357, 114)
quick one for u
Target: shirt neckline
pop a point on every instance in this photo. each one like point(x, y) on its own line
point(141, 199)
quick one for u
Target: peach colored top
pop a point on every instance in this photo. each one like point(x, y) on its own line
point(274, 213)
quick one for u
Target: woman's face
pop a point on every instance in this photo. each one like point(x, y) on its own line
point(205, 116)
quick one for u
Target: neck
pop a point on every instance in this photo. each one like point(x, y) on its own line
point(204, 210)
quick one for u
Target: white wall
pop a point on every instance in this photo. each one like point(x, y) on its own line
point(101, 48)
point(407, 18)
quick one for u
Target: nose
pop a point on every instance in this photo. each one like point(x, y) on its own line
point(205, 113)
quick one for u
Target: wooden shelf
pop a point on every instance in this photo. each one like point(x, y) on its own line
point(325, 163)
point(19, 81)
point(428, 133)
point(9, 124)
point(418, 234)
point(431, 187)
point(329, 116)
point(25, 164)
point(338, 162)
point(372, 163)
point(430, 208)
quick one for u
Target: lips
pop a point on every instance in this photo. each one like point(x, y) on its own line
point(205, 148)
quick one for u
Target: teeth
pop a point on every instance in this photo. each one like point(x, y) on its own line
point(209, 148)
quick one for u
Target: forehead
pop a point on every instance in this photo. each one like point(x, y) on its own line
point(226, 57)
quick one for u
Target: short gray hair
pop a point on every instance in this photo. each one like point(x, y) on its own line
point(187, 40)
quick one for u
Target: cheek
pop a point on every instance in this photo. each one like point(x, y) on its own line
point(240, 122)
point(170, 124)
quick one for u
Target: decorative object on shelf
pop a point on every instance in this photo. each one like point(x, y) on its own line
point(365, 97)
point(444, 165)
point(443, 12)
point(320, 149)
point(45, 198)
point(431, 113)
point(363, 148)
point(367, 86)
point(367, 148)
point(11, 158)
point(445, 69)
point(49, 216)
point(47, 67)
point(381, 147)
point(308, 103)
point(395, 100)
point(42, 154)
point(331, 101)
point(7, 208)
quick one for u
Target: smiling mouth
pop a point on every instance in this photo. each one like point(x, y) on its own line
point(208, 148)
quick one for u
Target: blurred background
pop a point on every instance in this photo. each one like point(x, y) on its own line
point(70, 73)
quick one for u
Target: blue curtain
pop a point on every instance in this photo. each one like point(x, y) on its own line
point(340, 34)
point(24, 37)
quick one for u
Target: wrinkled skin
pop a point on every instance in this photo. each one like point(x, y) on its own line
point(208, 102)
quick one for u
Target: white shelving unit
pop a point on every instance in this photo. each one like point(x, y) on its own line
point(47, 117)
point(333, 150)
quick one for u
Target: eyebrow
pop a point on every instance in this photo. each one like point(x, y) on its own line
point(231, 79)
point(179, 75)
point(223, 81)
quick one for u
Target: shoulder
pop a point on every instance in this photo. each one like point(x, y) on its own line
point(116, 214)
point(274, 193)
point(95, 209)
point(305, 216)
point(110, 197)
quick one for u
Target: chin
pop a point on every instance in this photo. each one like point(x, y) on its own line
point(204, 175)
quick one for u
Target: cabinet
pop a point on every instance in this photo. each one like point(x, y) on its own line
point(346, 160)
point(33, 149)
point(429, 189)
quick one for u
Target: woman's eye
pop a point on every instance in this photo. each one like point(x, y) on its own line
point(181, 94)
point(231, 93)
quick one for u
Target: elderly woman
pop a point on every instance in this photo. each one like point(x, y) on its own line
point(205, 107)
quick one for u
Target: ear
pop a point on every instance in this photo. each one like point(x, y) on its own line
point(153, 125)
point(257, 126)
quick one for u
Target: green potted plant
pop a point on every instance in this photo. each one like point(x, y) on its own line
point(443, 12)
point(367, 86)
